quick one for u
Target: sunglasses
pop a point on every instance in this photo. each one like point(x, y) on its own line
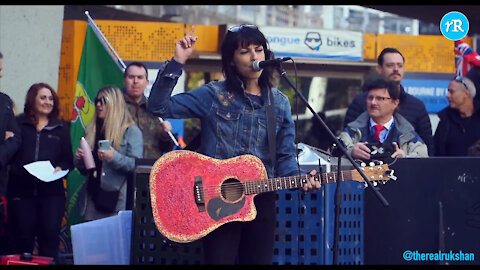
point(235, 29)
point(102, 100)
point(460, 80)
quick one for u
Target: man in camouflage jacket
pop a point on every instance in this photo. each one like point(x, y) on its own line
point(155, 133)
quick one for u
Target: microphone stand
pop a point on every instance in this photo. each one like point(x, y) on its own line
point(338, 203)
point(340, 145)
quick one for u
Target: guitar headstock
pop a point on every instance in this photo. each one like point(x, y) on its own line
point(376, 172)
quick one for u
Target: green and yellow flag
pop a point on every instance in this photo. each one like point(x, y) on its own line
point(98, 68)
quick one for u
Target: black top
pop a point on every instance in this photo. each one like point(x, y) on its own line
point(51, 143)
point(10, 146)
point(455, 134)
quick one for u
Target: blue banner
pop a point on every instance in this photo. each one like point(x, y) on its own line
point(432, 92)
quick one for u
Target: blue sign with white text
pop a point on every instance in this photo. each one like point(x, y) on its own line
point(432, 92)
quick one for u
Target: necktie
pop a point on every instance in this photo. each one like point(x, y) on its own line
point(378, 129)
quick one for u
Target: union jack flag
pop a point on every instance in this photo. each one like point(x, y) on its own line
point(465, 58)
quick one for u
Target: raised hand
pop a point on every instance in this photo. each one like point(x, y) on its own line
point(184, 47)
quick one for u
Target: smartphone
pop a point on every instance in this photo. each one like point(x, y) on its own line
point(104, 144)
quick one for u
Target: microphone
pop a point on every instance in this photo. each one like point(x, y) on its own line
point(259, 65)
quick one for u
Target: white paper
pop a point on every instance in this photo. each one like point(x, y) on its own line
point(44, 171)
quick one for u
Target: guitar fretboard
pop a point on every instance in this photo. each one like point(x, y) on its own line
point(290, 182)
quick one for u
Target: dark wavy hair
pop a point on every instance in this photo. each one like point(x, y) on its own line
point(380, 83)
point(29, 108)
point(243, 38)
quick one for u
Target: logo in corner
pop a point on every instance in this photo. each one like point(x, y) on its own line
point(454, 25)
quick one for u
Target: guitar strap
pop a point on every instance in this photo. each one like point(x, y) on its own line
point(271, 129)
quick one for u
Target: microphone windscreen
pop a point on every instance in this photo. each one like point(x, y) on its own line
point(256, 65)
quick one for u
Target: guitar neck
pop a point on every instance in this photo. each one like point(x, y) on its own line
point(290, 182)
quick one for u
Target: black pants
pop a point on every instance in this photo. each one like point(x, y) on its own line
point(41, 217)
point(244, 242)
point(3, 225)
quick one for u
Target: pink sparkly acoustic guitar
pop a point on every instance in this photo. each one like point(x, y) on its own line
point(192, 194)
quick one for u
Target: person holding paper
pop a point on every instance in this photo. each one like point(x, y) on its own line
point(106, 187)
point(35, 207)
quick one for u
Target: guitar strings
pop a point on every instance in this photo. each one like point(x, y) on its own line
point(271, 183)
point(240, 187)
point(290, 179)
point(235, 190)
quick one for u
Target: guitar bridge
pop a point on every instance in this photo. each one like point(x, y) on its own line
point(198, 194)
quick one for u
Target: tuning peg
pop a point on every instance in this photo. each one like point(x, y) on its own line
point(383, 182)
point(391, 176)
point(372, 164)
point(363, 164)
point(380, 162)
point(375, 183)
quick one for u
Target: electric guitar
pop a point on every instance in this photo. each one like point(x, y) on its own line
point(192, 194)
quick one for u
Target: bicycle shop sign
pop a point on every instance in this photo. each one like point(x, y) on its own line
point(315, 43)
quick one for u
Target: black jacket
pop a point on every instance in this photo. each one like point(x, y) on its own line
point(10, 146)
point(51, 143)
point(454, 135)
point(410, 107)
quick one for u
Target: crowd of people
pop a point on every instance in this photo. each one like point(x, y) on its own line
point(237, 115)
point(31, 210)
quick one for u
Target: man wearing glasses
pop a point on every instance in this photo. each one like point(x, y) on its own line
point(381, 133)
point(391, 68)
point(459, 126)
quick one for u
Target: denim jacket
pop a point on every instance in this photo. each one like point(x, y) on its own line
point(231, 123)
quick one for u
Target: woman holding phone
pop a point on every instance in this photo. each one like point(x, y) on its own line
point(116, 142)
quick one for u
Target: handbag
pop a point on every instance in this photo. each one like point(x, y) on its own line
point(106, 200)
point(103, 200)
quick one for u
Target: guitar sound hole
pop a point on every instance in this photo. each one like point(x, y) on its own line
point(232, 190)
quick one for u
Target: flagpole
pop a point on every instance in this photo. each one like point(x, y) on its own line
point(99, 33)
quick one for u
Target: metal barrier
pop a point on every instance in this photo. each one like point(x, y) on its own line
point(304, 233)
